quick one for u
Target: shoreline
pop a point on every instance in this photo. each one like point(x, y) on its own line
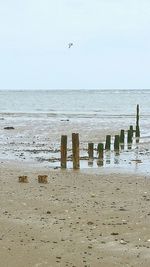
point(134, 167)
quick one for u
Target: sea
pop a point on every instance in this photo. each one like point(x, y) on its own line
point(39, 117)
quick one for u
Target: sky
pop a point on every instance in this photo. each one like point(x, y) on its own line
point(111, 44)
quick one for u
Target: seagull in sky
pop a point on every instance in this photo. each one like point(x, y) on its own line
point(70, 44)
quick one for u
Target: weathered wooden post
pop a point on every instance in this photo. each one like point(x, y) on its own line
point(131, 130)
point(75, 151)
point(63, 151)
point(100, 150)
point(23, 179)
point(122, 136)
point(108, 142)
point(129, 137)
point(116, 142)
point(137, 115)
point(43, 179)
point(137, 132)
point(90, 150)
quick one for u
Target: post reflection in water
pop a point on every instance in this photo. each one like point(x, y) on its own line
point(116, 157)
point(136, 158)
point(129, 146)
point(122, 146)
point(100, 162)
point(90, 162)
point(128, 153)
point(108, 157)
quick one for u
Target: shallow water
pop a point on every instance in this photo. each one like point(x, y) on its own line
point(41, 117)
point(131, 157)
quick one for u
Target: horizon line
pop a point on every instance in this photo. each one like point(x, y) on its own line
point(64, 89)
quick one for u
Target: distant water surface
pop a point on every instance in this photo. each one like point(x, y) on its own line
point(78, 102)
point(114, 106)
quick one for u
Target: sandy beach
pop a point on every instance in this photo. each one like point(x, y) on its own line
point(76, 219)
point(98, 216)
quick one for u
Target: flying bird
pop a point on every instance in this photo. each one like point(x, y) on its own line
point(70, 44)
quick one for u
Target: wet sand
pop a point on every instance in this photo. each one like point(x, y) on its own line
point(37, 141)
point(77, 219)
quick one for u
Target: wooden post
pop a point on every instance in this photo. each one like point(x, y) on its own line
point(100, 150)
point(43, 179)
point(108, 142)
point(116, 142)
point(75, 151)
point(131, 130)
point(90, 150)
point(129, 137)
point(137, 132)
point(122, 136)
point(137, 115)
point(63, 151)
point(23, 179)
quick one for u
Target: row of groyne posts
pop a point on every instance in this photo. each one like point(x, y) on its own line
point(118, 140)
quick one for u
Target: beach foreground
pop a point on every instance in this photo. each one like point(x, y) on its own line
point(77, 219)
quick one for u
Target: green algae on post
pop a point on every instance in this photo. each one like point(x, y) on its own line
point(131, 129)
point(137, 133)
point(116, 142)
point(100, 150)
point(108, 142)
point(122, 136)
point(129, 137)
point(90, 150)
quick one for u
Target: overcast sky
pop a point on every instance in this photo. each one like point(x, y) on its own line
point(111, 44)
